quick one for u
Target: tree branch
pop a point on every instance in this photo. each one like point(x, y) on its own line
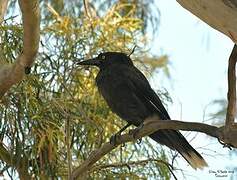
point(14, 73)
point(86, 7)
point(3, 9)
point(231, 109)
point(11, 74)
point(5, 155)
point(128, 164)
point(219, 14)
point(151, 125)
point(134, 163)
point(230, 129)
point(13, 161)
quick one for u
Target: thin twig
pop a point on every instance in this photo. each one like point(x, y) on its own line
point(135, 163)
point(131, 163)
point(133, 50)
point(86, 7)
point(69, 157)
point(171, 170)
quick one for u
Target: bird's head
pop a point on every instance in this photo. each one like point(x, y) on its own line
point(107, 59)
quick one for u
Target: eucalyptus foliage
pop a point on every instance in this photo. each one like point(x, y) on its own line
point(56, 117)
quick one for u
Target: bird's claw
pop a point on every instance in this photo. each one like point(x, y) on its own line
point(134, 132)
point(113, 139)
point(226, 145)
point(139, 141)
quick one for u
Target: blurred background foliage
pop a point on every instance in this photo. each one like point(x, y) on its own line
point(56, 117)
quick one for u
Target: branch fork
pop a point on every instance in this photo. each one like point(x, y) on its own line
point(13, 73)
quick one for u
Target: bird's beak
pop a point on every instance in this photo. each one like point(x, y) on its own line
point(90, 62)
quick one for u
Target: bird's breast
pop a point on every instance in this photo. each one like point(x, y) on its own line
point(109, 83)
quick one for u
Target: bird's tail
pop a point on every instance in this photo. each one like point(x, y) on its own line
point(176, 141)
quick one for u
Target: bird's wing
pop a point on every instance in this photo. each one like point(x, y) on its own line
point(143, 91)
point(171, 138)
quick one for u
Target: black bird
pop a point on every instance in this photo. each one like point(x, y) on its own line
point(129, 95)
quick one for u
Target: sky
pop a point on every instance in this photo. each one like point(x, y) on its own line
point(198, 57)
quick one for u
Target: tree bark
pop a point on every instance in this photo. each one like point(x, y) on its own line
point(3, 9)
point(219, 14)
point(13, 73)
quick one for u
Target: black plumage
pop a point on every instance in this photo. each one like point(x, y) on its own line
point(129, 95)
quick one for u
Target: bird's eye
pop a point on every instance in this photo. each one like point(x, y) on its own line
point(103, 57)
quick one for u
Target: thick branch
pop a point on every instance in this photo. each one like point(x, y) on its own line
point(219, 14)
point(149, 127)
point(3, 9)
point(12, 74)
point(231, 109)
point(31, 24)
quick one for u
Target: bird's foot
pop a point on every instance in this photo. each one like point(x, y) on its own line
point(114, 138)
point(226, 145)
point(134, 132)
point(139, 141)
